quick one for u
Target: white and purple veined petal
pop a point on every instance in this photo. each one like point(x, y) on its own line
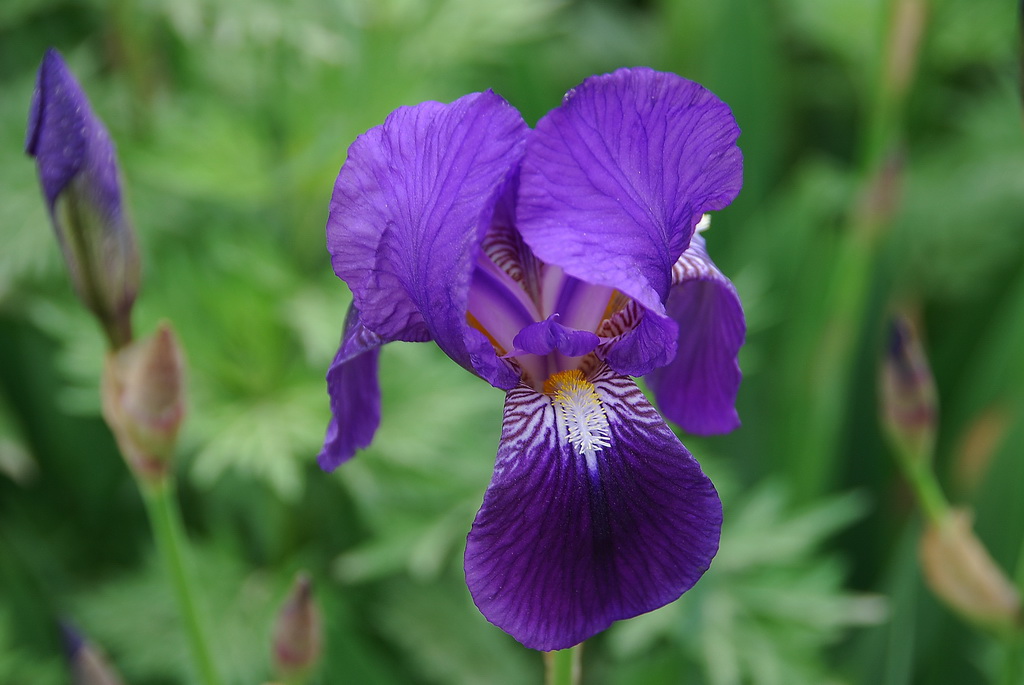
point(595, 513)
point(698, 388)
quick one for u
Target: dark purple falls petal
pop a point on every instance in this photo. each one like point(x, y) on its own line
point(354, 392)
point(698, 389)
point(568, 542)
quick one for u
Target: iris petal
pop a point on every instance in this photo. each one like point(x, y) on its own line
point(354, 392)
point(544, 337)
point(575, 533)
point(614, 181)
point(67, 139)
point(698, 389)
point(409, 211)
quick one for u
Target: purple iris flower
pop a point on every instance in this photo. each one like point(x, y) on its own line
point(555, 263)
point(81, 183)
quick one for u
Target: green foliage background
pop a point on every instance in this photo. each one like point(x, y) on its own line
point(232, 119)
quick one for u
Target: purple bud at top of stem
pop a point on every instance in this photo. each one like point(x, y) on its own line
point(144, 400)
point(908, 396)
point(298, 632)
point(78, 172)
point(87, 664)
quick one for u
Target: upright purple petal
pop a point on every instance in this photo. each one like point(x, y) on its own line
point(595, 513)
point(354, 392)
point(408, 214)
point(698, 389)
point(614, 181)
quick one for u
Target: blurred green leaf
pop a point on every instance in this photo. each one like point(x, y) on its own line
point(136, 618)
point(16, 460)
point(771, 603)
point(18, 665)
point(438, 626)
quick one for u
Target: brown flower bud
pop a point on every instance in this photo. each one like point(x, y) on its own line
point(144, 400)
point(960, 571)
point(298, 632)
point(908, 396)
point(88, 665)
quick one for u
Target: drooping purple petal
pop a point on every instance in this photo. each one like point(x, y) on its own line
point(354, 393)
point(650, 345)
point(595, 513)
point(698, 389)
point(544, 337)
point(614, 181)
point(409, 211)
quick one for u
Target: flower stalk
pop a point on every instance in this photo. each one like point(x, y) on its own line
point(822, 383)
point(956, 565)
point(168, 533)
point(564, 666)
point(143, 381)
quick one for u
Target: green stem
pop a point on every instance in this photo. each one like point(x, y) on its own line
point(917, 469)
point(168, 532)
point(823, 364)
point(562, 667)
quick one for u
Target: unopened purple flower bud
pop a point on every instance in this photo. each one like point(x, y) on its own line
point(298, 632)
point(908, 396)
point(88, 665)
point(81, 183)
point(144, 400)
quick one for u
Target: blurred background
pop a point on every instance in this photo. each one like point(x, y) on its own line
point(884, 171)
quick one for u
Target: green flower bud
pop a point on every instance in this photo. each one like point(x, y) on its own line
point(144, 401)
point(298, 632)
point(961, 573)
